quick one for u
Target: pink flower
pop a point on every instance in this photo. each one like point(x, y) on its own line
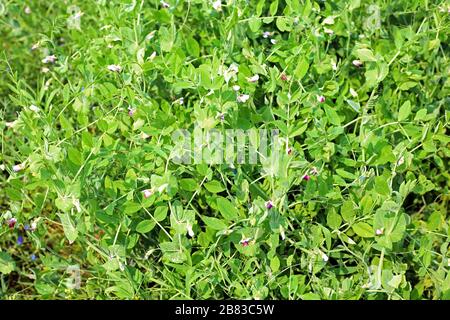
point(18, 167)
point(289, 151)
point(147, 193)
point(321, 99)
point(379, 232)
point(49, 59)
point(306, 177)
point(245, 242)
point(12, 222)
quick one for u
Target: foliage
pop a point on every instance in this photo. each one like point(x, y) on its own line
point(370, 223)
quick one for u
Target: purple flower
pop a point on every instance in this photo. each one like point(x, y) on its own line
point(33, 257)
point(20, 240)
point(131, 111)
point(269, 204)
point(27, 227)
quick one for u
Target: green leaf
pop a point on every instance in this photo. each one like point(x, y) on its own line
point(214, 186)
point(69, 228)
point(354, 105)
point(332, 115)
point(131, 207)
point(145, 226)
point(227, 209)
point(334, 220)
point(275, 264)
point(404, 111)
point(7, 264)
point(75, 156)
point(192, 47)
point(348, 211)
point(214, 223)
point(188, 184)
point(302, 68)
point(363, 229)
point(382, 186)
point(365, 55)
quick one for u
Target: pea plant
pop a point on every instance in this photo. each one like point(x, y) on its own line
point(234, 149)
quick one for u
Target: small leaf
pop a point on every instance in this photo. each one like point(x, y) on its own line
point(7, 264)
point(214, 223)
point(214, 186)
point(301, 69)
point(227, 209)
point(363, 229)
point(70, 231)
point(404, 111)
point(365, 54)
point(145, 226)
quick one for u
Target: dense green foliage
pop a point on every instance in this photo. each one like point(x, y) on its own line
point(91, 91)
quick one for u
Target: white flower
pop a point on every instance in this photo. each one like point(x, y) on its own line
point(165, 4)
point(11, 124)
point(328, 31)
point(243, 98)
point(114, 68)
point(45, 70)
point(49, 59)
point(328, 20)
point(273, 41)
point(34, 108)
point(353, 93)
point(27, 10)
point(150, 35)
point(266, 34)
point(401, 161)
point(35, 46)
point(236, 87)
point(152, 56)
point(18, 167)
point(217, 5)
point(144, 135)
point(333, 65)
point(147, 193)
point(33, 226)
point(232, 70)
point(77, 205)
point(314, 171)
point(379, 232)
point(357, 63)
point(189, 230)
point(254, 78)
point(2, 167)
point(324, 257)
